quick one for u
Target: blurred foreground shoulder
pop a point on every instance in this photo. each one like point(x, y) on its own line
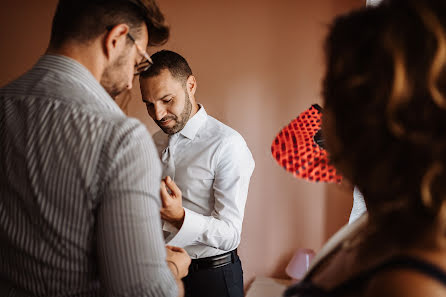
point(404, 283)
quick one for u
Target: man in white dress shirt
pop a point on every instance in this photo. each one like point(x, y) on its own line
point(207, 168)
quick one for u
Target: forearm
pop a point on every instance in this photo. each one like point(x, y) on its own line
point(206, 230)
point(130, 247)
point(180, 288)
point(174, 269)
point(131, 252)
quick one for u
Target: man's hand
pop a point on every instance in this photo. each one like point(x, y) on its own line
point(171, 198)
point(179, 259)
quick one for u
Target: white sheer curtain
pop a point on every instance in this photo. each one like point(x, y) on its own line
point(373, 2)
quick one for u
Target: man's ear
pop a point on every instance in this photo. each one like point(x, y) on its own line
point(191, 85)
point(115, 41)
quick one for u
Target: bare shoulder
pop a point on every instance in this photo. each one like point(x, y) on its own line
point(404, 283)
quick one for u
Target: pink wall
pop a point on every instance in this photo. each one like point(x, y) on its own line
point(258, 64)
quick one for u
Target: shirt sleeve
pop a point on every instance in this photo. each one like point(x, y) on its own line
point(130, 245)
point(222, 229)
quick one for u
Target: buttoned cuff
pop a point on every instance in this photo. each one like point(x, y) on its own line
point(191, 229)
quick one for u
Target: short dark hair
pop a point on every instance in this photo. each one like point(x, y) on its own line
point(84, 20)
point(174, 62)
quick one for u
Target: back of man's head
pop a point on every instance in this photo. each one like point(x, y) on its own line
point(174, 62)
point(84, 20)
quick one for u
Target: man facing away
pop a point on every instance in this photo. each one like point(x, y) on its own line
point(79, 181)
point(207, 167)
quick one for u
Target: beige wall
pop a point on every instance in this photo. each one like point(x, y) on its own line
point(258, 65)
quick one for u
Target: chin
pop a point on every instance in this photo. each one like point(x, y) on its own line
point(169, 130)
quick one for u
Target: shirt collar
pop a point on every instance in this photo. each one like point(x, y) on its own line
point(194, 123)
point(76, 70)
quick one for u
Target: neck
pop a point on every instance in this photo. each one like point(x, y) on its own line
point(195, 108)
point(87, 55)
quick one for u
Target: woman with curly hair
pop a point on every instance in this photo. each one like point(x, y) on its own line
point(385, 130)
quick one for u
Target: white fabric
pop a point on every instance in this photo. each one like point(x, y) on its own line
point(338, 238)
point(359, 207)
point(213, 166)
point(373, 2)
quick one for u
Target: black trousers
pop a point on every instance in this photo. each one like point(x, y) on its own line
point(225, 281)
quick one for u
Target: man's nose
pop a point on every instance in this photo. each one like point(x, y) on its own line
point(160, 112)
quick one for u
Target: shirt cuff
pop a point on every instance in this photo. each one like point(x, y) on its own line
point(191, 229)
point(169, 231)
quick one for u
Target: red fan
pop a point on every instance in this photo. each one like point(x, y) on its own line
point(298, 148)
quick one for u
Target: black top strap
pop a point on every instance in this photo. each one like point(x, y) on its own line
point(306, 288)
point(398, 262)
point(421, 266)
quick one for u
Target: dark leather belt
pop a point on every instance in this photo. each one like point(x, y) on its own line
point(214, 261)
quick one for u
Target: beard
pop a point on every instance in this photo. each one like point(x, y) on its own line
point(179, 122)
point(113, 80)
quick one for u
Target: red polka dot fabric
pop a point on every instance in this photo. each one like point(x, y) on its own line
point(296, 151)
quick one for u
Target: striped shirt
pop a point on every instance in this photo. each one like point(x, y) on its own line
point(79, 190)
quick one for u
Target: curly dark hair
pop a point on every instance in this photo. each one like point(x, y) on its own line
point(84, 20)
point(385, 109)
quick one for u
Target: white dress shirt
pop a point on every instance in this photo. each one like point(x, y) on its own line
point(212, 167)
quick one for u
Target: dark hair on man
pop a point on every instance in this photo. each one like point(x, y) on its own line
point(385, 111)
point(84, 20)
point(175, 63)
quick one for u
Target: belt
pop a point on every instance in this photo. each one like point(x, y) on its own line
point(214, 261)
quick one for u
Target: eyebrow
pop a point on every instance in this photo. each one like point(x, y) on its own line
point(167, 95)
point(148, 102)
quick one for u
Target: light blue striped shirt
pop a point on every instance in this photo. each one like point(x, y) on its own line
point(79, 190)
